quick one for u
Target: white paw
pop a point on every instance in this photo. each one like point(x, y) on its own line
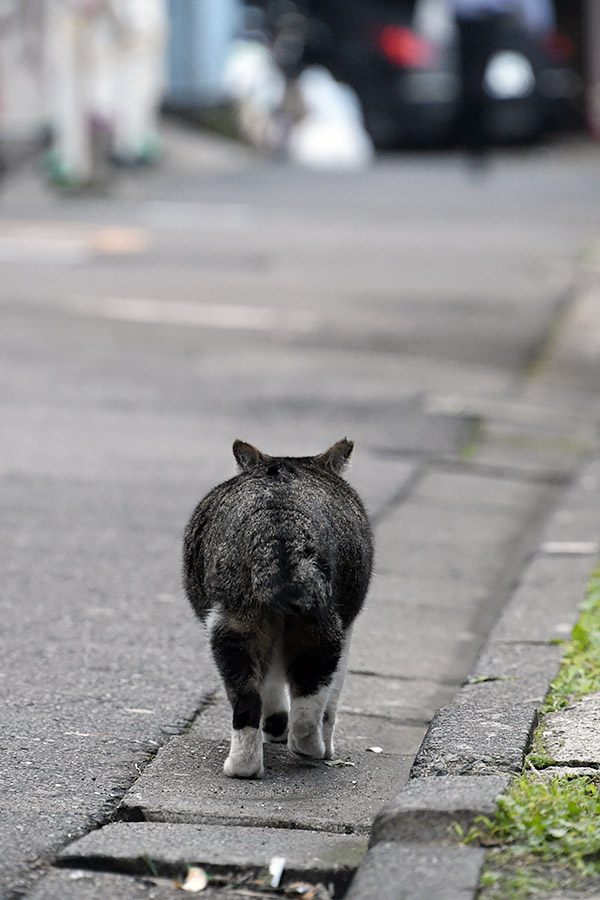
point(245, 758)
point(247, 768)
point(328, 737)
point(306, 745)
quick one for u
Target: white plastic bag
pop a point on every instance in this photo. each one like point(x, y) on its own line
point(331, 135)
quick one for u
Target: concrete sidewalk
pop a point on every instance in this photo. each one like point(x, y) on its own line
point(398, 783)
point(487, 518)
point(180, 812)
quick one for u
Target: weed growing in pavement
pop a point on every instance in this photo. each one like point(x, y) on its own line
point(517, 883)
point(545, 834)
point(557, 820)
point(546, 830)
point(580, 670)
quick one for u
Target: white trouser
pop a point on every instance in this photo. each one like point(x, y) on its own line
point(104, 65)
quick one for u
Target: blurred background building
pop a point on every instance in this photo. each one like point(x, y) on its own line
point(399, 56)
point(335, 35)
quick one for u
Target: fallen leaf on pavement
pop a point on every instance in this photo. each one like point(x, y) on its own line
point(308, 891)
point(336, 763)
point(196, 880)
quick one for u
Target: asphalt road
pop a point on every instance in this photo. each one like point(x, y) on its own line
point(225, 297)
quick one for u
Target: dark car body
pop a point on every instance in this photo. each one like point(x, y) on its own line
point(402, 59)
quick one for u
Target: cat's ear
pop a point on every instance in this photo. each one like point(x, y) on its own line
point(337, 457)
point(246, 456)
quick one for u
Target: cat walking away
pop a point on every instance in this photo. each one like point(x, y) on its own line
point(277, 563)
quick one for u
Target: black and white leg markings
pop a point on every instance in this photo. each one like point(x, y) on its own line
point(313, 675)
point(263, 706)
point(240, 673)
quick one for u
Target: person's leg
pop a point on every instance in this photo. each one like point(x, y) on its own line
point(71, 160)
point(141, 65)
point(476, 38)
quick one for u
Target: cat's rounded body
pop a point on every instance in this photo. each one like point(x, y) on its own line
point(277, 562)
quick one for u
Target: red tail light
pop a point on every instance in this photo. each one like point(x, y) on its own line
point(403, 47)
point(559, 47)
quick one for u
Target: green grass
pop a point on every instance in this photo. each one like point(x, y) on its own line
point(580, 670)
point(520, 883)
point(475, 438)
point(545, 835)
point(555, 819)
point(546, 830)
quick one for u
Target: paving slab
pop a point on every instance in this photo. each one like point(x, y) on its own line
point(428, 435)
point(401, 699)
point(394, 623)
point(428, 599)
point(545, 605)
point(592, 894)
point(488, 726)
point(514, 410)
point(416, 872)
point(354, 730)
point(426, 809)
point(571, 736)
point(436, 553)
point(378, 479)
point(578, 516)
point(186, 784)
point(571, 366)
point(521, 448)
point(472, 490)
point(446, 559)
point(81, 884)
point(457, 540)
point(465, 534)
point(150, 848)
point(524, 670)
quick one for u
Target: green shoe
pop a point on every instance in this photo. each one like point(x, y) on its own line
point(147, 154)
point(60, 176)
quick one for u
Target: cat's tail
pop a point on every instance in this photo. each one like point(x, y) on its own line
point(293, 574)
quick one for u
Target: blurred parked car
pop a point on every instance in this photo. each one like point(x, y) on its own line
point(401, 58)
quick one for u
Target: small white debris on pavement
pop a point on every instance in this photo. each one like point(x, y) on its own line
point(276, 867)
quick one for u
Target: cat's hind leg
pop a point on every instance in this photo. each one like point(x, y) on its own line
point(313, 658)
point(275, 699)
point(238, 663)
point(335, 687)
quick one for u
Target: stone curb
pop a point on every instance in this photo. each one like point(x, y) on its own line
point(394, 871)
point(487, 727)
point(571, 736)
point(479, 740)
point(426, 808)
